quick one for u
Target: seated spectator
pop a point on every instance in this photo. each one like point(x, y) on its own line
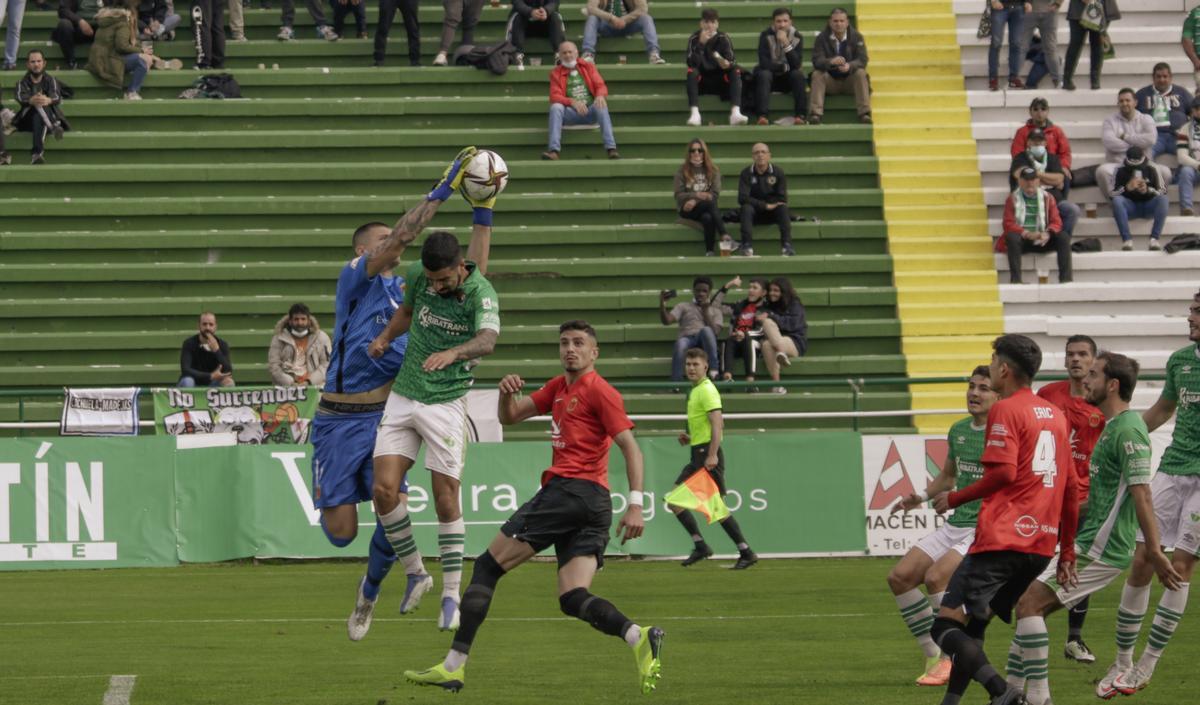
point(1140, 192)
point(1167, 104)
point(697, 187)
point(1051, 176)
point(839, 58)
point(1123, 129)
point(700, 321)
point(288, 16)
point(1042, 19)
point(784, 328)
point(780, 66)
point(299, 352)
point(762, 198)
point(75, 18)
point(626, 17)
point(539, 17)
point(1057, 143)
point(455, 13)
point(39, 97)
point(116, 50)
point(712, 69)
point(341, 8)
point(744, 329)
point(204, 359)
point(14, 11)
point(1008, 14)
point(383, 27)
point(578, 96)
point(1187, 151)
point(156, 21)
point(1032, 224)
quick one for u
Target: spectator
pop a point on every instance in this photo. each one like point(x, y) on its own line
point(1051, 176)
point(780, 66)
point(839, 58)
point(578, 96)
point(14, 10)
point(456, 12)
point(1191, 32)
point(39, 96)
point(5, 157)
point(1140, 192)
point(697, 187)
point(116, 50)
point(1043, 18)
point(1037, 63)
point(762, 197)
point(627, 17)
point(237, 21)
point(744, 329)
point(1167, 104)
point(1075, 19)
point(712, 69)
point(299, 352)
point(324, 31)
point(341, 8)
point(1010, 14)
point(75, 18)
point(1187, 151)
point(1123, 129)
point(156, 20)
point(1057, 143)
point(208, 22)
point(1032, 224)
point(785, 331)
point(412, 29)
point(204, 359)
point(540, 17)
point(700, 321)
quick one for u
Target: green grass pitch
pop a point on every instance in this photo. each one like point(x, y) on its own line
point(785, 631)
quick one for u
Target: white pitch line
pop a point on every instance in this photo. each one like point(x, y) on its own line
point(319, 620)
point(119, 690)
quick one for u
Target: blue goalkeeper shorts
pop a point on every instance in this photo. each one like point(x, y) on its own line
point(342, 448)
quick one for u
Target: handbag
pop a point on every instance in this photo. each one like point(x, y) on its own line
point(1107, 50)
point(985, 21)
point(1092, 17)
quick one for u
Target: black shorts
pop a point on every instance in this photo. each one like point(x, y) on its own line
point(699, 455)
point(572, 515)
point(992, 582)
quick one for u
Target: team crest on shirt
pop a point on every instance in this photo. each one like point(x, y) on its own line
point(1095, 419)
point(771, 180)
point(572, 404)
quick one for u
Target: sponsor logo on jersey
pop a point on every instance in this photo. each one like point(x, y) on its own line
point(996, 442)
point(556, 440)
point(1026, 526)
point(429, 319)
point(1188, 397)
point(487, 304)
point(968, 468)
point(1043, 412)
point(998, 429)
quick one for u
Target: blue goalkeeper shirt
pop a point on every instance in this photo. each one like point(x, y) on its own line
point(363, 306)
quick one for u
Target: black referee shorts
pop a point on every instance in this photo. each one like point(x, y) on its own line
point(570, 514)
point(699, 455)
point(991, 582)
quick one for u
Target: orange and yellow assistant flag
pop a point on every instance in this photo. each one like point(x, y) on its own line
point(699, 492)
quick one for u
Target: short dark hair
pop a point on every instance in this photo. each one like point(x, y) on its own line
point(702, 280)
point(1123, 91)
point(39, 52)
point(361, 233)
point(1020, 352)
point(981, 371)
point(1039, 102)
point(709, 14)
point(1160, 66)
point(781, 11)
point(440, 250)
point(693, 353)
point(1122, 368)
point(298, 309)
point(839, 10)
point(1081, 338)
point(580, 325)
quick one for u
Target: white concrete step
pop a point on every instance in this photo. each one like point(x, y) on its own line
point(1109, 266)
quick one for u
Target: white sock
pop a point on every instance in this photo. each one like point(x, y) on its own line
point(398, 530)
point(454, 660)
point(917, 614)
point(452, 536)
point(633, 635)
point(1016, 668)
point(1034, 641)
point(935, 600)
point(1166, 619)
point(1134, 602)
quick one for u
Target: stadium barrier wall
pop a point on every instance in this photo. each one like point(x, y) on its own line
point(142, 501)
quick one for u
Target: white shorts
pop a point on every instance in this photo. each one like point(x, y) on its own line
point(947, 538)
point(442, 427)
point(1093, 575)
point(1176, 504)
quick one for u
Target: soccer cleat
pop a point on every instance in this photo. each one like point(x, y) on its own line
point(1132, 681)
point(699, 553)
point(1011, 696)
point(937, 671)
point(448, 617)
point(1104, 688)
point(1076, 650)
point(745, 560)
point(418, 585)
point(360, 619)
point(439, 676)
point(648, 654)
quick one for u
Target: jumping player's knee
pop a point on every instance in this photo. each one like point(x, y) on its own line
point(341, 541)
point(942, 625)
point(385, 498)
point(899, 582)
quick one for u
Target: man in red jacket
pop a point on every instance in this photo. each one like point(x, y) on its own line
point(1056, 140)
point(1032, 224)
point(578, 96)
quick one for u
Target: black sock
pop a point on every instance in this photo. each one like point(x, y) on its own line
point(476, 600)
point(731, 527)
point(689, 524)
point(1075, 619)
point(969, 659)
point(596, 611)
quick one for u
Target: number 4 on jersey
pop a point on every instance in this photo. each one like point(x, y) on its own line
point(1045, 462)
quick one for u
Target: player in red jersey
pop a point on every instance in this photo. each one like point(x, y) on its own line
point(572, 511)
point(1087, 423)
point(1029, 505)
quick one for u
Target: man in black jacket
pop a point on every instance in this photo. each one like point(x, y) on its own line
point(535, 16)
point(204, 359)
point(39, 96)
point(780, 66)
point(712, 69)
point(75, 18)
point(839, 58)
point(762, 196)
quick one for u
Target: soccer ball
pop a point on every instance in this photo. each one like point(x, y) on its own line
point(485, 176)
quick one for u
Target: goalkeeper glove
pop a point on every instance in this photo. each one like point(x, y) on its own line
point(452, 177)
